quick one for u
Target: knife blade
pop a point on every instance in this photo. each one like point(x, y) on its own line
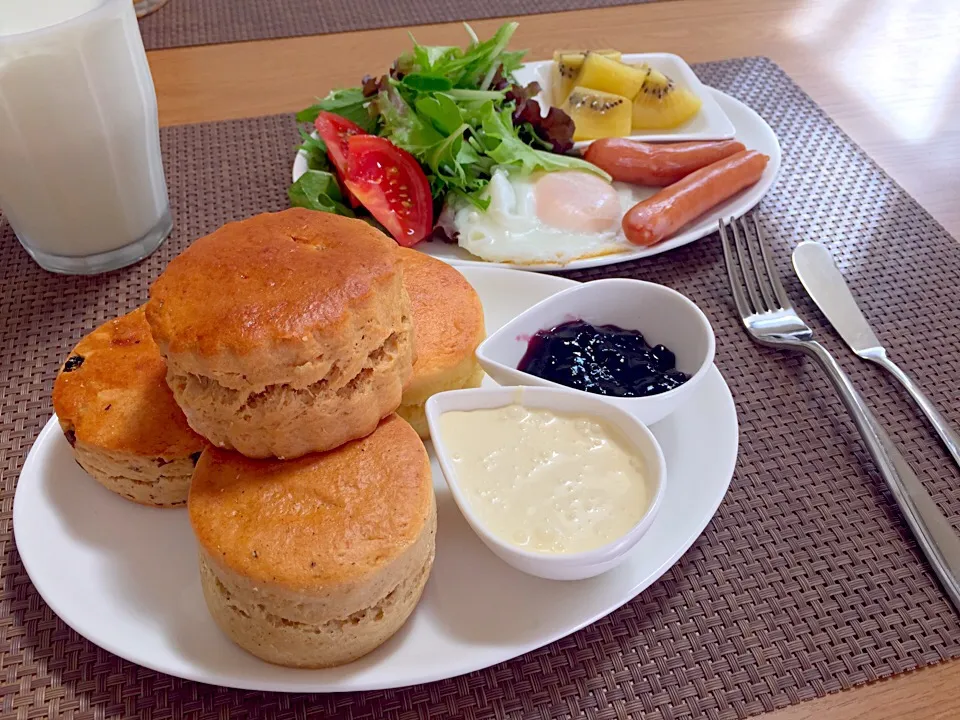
point(825, 284)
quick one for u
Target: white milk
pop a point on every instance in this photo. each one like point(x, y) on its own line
point(80, 168)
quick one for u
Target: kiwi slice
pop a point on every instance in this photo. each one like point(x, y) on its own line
point(566, 67)
point(660, 104)
point(609, 75)
point(598, 114)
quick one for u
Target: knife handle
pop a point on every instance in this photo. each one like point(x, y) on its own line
point(931, 528)
point(939, 422)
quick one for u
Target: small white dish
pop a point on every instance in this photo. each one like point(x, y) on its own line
point(662, 315)
point(710, 123)
point(572, 566)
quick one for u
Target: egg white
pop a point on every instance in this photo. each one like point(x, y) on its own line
point(509, 231)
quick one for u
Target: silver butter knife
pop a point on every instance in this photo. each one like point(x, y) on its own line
point(825, 284)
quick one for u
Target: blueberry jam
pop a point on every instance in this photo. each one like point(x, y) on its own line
point(604, 360)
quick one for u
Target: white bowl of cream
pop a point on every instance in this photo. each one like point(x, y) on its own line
point(558, 483)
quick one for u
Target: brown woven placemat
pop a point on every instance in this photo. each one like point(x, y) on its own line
point(805, 582)
point(207, 22)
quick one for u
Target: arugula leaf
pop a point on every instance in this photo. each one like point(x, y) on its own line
point(349, 103)
point(442, 111)
point(318, 190)
point(425, 58)
point(424, 82)
point(479, 60)
point(476, 95)
point(474, 40)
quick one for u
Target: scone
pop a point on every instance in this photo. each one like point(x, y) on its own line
point(286, 333)
point(117, 412)
point(315, 562)
point(448, 318)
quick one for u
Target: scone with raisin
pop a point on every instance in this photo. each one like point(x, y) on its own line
point(286, 333)
point(116, 410)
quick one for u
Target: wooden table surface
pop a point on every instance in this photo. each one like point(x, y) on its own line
point(887, 71)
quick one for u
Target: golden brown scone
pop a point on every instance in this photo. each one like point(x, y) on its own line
point(315, 562)
point(286, 333)
point(448, 316)
point(117, 412)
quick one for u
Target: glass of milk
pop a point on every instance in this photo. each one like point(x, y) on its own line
point(145, 7)
point(81, 180)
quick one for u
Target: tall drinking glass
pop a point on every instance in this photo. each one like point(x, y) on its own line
point(145, 7)
point(81, 179)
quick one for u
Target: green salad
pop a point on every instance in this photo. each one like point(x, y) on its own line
point(458, 112)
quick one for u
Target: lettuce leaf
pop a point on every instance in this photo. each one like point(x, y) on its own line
point(315, 150)
point(318, 190)
point(402, 125)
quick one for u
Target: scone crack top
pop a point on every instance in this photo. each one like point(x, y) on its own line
point(274, 292)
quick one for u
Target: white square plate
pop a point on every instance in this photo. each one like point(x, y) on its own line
point(711, 123)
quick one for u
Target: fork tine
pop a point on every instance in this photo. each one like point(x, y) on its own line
point(765, 287)
point(745, 271)
point(782, 298)
point(735, 286)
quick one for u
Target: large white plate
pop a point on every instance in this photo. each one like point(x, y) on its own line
point(125, 577)
point(751, 129)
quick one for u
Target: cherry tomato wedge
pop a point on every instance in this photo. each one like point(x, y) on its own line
point(335, 131)
point(391, 185)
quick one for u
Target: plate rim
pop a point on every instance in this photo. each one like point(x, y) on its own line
point(192, 672)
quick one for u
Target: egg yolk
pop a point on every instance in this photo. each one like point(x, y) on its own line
point(577, 201)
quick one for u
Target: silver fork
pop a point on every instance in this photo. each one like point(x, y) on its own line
point(770, 319)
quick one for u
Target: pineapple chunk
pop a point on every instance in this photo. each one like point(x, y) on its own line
point(597, 114)
point(566, 65)
point(611, 76)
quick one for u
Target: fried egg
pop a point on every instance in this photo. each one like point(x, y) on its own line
point(554, 217)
